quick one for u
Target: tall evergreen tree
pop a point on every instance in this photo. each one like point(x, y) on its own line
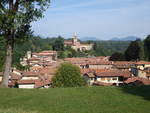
point(15, 24)
point(135, 51)
point(117, 57)
point(147, 48)
point(59, 44)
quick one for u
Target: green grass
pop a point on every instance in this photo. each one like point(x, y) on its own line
point(76, 100)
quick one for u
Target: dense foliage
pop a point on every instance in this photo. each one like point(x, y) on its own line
point(107, 48)
point(117, 57)
point(147, 48)
point(16, 17)
point(37, 44)
point(101, 48)
point(68, 75)
point(135, 51)
point(2, 53)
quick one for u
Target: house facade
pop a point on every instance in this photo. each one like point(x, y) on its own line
point(140, 69)
point(107, 77)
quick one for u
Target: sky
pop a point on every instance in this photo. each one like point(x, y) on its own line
point(103, 19)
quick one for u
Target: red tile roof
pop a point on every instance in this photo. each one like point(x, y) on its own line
point(142, 62)
point(91, 61)
point(1, 73)
point(90, 75)
point(15, 76)
point(45, 53)
point(39, 84)
point(143, 81)
point(30, 74)
point(26, 81)
point(148, 74)
point(113, 73)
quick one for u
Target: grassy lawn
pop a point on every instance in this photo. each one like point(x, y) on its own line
point(76, 100)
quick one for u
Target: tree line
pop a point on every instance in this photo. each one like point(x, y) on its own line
point(37, 44)
point(136, 51)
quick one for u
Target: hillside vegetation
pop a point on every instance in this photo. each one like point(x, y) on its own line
point(76, 100)
point(36, 44)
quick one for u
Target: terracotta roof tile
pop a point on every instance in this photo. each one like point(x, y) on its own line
point(39, 84)
point(144, 81)
point(142, 62)
point(26, 81)
point(113, 73)
point(30, 74)
point(15, 76)
point(1, 73)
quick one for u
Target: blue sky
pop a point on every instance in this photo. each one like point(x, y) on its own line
point(103, 19)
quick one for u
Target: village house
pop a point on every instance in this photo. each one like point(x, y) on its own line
point(106, 77)
point(30, 76)
point(31, 80)
point(76, 45)
point(139, 69)
point(40, 79)
point(38, 59)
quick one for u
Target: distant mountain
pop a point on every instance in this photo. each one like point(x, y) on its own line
point(129, 38)
point(88, 38)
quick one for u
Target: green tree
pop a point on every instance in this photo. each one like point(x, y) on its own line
point(135, 51)
point(59, 44)
point(147, 48)
point(117, 57)
point(68, 75)
point(15, 25)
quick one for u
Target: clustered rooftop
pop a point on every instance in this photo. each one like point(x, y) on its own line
point(95, 70)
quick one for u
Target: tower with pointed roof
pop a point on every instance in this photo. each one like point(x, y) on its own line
point(75, 39)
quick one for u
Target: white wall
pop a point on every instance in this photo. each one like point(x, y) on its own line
point(30, 78)
point(1, 78)
point(26, 86)
point(100, 79)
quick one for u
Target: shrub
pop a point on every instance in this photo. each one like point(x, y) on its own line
point(68, 75)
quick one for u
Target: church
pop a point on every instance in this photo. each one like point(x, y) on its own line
point(76, 45)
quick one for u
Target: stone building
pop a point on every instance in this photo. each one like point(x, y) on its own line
point(76, 45)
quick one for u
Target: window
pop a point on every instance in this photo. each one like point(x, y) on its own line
point(114, 78)
point(103, 79)
point(87, 66)
point(108, 79)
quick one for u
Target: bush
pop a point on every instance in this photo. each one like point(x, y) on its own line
point(68, 75)
point(117, 57)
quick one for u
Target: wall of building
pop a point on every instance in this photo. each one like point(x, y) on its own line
point(109, 79)
point(30, 78)
point(100, 66)
point(142, 74)
point(26, 86)
point(1, 78)
point(90, 81)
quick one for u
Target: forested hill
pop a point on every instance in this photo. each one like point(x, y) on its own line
point(36, 44)
point(107, 48)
